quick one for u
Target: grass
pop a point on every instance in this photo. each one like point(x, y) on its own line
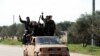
point(85, 50)
point(10, 42)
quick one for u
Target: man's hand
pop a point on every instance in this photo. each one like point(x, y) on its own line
point(42, 13)
point(19, 16)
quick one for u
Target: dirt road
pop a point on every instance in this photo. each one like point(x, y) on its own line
point(6, 50)
point(77, 54)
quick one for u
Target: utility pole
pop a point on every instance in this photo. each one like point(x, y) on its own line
point(92, 25)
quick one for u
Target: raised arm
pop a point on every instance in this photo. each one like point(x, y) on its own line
point(22, 21)
point(42, 17)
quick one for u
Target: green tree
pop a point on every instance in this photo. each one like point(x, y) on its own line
point(83, 27)
point(62, 26)
point(4, 32)
point(20, 31)
point(12, 30)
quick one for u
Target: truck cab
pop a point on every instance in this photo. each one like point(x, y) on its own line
point(45, 46)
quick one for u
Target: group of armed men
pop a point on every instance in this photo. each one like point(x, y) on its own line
point(33, 28)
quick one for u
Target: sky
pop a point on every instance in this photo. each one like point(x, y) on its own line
point(61, 10)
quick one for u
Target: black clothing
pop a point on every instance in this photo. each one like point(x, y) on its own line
point(39, 30)
point(26, 23)
point(49, 27)
point(36, 29)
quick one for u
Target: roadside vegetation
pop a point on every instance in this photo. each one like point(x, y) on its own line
point(77, 48)
point(81, 32)
point(10, 42)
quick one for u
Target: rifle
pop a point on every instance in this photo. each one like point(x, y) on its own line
point(40, 17)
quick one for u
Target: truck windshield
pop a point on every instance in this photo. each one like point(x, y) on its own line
point(44, 40)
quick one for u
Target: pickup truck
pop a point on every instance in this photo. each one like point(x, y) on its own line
point(45, 46)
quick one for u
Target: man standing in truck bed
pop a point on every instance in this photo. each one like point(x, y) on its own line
point(50, 26)
point(26, 23)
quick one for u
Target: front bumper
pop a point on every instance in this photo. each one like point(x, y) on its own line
point(53, 54)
